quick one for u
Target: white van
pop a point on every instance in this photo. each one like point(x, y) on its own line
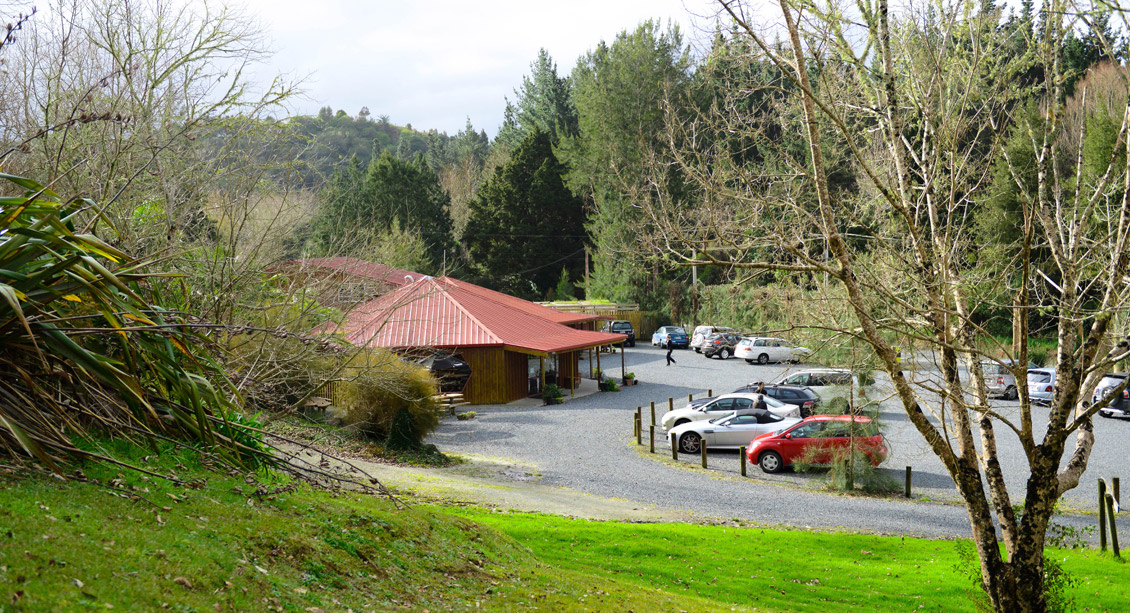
point(698, 339)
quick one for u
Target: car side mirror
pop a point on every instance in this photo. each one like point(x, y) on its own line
point(789, 435)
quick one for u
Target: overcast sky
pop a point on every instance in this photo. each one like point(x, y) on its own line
point(434, 63)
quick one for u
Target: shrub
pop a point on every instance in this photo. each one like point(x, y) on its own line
point(551, 390)
point(388, 398)
point(465, 416)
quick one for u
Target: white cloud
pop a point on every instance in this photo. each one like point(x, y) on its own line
point(433, 64)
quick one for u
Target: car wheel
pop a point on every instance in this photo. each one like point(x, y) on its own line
point(763, 358)
point(725, 354)
point(690, 442)
point(697, 350)
point(771, 462)
point(681, 422)
point(1011, 393)
point(1105, 413)
point(748, 361)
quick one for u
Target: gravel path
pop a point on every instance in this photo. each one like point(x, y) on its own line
point(586, 445)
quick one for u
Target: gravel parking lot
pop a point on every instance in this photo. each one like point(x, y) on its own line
point(587, 445)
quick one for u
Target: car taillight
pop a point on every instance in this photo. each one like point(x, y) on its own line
point(1000, 380)
point(809, 404)
point(1048, 388)
point(1126, 393)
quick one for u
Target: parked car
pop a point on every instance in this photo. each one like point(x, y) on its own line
point(804, 397)
point(624, 327)
point(698, 339)
point(999, 380)
point(720, 344)
point(729, 431)
point(816, 439)
point(450, 370)
point(1041, 385)
point(670, 337)
point(723, 405)
point(763, 350)
point(817, 377)
point(1118, 404)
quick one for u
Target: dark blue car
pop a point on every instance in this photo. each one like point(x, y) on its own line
point(670, 337)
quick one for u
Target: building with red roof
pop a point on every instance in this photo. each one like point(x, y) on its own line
point(511, 345)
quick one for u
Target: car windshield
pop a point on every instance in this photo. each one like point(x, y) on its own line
point(1039, 377)
point(676, 331)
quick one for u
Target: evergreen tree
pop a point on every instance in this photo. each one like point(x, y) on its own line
point(543, 102)
point(618, 91)
point(361, 203)
point(524, 223)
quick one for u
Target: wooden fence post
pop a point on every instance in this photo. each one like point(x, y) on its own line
point(1102, 515)
point(670, 404)
point(1113, 527)
point(907, 490)
point(702, 448)
point(674, 448)
point(639, 430)
point(690, 398)
point(653, 413)
point(741, 452)
point(1114, 486)
point(651, 438)
point(709, 392)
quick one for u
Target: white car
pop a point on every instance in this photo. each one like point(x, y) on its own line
point(724, 405)
point(1041, 385)
point(728, 431)
point(698, 339)
point(762, 349)
point(818, 377)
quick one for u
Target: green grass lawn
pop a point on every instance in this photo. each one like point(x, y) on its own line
point(786, 570)
point(229, 543)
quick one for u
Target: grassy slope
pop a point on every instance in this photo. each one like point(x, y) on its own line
point(224, 547)
point(73, 546)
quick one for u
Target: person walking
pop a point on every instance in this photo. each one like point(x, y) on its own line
point(670, 360)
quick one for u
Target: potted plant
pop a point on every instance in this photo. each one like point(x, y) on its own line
point(629, 378)
point(552, 394)
point(609, 385)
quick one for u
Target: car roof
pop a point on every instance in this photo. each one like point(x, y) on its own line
point(838, 371)
point(786, 386)
point(858, 418)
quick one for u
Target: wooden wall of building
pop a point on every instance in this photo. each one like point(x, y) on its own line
point(497, 376)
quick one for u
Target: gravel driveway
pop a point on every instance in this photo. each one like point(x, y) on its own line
point(587, 445)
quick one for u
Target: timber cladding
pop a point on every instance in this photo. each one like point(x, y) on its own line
point(497, 376)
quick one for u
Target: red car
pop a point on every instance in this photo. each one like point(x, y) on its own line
point(822, 433)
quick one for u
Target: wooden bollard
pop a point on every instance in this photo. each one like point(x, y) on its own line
point(653, 413)
point(702, 448)
point(651, 438)
point(1102, 515)
point(1113, 527)
point(906, 491)
point(741, 452)
point(670, 404)
point(1114, 486)
point(709, 392)
point(674, 448)
point(690, 398)
point(639, 430)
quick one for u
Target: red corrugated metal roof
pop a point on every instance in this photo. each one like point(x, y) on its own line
point(358, 268)
point(561, 317)
point(443, 312)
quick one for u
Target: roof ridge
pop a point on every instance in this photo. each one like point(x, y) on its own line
point(458, 305)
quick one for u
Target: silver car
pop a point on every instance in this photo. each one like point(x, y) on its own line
point(999, 380)
point(698, 338)
point(729, 431)
point(1041, 385)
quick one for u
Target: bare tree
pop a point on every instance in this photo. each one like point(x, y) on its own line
point(861, 149)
